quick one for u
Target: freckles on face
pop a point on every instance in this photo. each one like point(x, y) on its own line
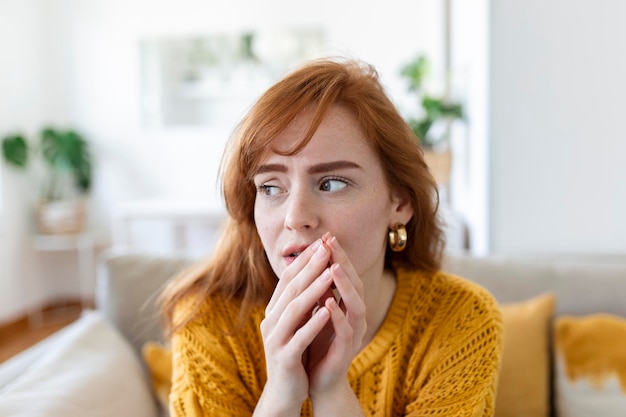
point(335, 184)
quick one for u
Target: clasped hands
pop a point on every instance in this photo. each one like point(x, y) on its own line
point(310, 338)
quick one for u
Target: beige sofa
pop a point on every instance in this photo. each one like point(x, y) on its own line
point(94, 366)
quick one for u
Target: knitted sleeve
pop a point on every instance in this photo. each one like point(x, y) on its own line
point(463, 360)
point(213, 371)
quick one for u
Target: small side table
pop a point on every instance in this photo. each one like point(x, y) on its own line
point(83, 244)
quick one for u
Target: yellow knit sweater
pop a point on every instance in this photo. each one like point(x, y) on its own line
point(436, 354)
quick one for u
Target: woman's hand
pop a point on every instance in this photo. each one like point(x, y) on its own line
point(290, 327)
point(310, 340)
point(333, 349)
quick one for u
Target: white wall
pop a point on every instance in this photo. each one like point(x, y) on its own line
point(77, 62)
point(22, 106)
point(470, 144)
point(139, 163)
point(558, 147)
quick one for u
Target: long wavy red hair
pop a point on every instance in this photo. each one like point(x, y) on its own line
point(238, 267)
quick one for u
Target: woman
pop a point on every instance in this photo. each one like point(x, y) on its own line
point(324, 295)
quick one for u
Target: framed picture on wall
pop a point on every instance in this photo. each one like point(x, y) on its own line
point(211, 79)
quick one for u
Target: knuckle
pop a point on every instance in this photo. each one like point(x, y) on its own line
point(297, 346)
point(286, 276)
point(359, 311)
point(363, 327)
point(292, 309)
point(349, 333)
point(358, 286)
point(291, 291)
point(264, 327)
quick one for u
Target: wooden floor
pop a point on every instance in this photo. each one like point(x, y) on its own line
point(23, 333)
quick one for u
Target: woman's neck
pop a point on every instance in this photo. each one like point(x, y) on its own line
point(378, 298)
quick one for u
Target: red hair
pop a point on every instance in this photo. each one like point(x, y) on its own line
point(238, 267)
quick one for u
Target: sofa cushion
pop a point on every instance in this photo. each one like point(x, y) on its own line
point(15, 366)
point(91, 370)
point(158, 360)
point(590, 363)
point(127, 287)
point(524, 384)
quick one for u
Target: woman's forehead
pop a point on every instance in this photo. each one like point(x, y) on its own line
point(337, 127)
point(338, 143)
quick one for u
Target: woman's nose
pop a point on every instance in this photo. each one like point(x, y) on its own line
point(301, 211)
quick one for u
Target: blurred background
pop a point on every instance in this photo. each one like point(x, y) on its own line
point(537, 162)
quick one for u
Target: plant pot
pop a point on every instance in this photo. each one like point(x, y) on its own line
point(61, 217)
point(440, 165)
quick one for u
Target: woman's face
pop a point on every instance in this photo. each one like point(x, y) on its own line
point(335, 184)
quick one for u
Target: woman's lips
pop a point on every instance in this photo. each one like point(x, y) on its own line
point(289, 259)
point(292, 256)
point(292, 252)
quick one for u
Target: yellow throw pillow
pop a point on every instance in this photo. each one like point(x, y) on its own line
point(524, 384)
point(590, 362)
point(159, 361)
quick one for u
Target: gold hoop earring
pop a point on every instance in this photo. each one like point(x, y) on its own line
point(398, 238)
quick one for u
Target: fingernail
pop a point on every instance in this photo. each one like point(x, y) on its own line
point(323, 313)
point(325, 275)
point(320, 252)
point(333, 243)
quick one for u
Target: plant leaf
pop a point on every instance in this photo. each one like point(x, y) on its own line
point(420, 128)
point(67, 150)
point(416, 72)
point(15, 150)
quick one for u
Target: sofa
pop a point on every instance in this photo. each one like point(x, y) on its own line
point(564, 354)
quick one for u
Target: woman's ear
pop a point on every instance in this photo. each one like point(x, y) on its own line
point(401, 208)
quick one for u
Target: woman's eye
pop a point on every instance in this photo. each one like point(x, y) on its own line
point(268, 190)
point(333, 185)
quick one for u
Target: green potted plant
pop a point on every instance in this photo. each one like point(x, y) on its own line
point(431, 124)
point(62, 165)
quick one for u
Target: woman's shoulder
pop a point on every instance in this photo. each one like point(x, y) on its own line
point(460, 310)
point(451, 291)
point(469, 306)
point(465, 287)
point(214, 311)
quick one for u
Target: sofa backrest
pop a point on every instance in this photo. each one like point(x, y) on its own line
point(126, 290)
point(582, 285)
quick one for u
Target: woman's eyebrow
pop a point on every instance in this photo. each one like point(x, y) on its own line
point(332, 166)
point(315, 169)
point(270, 168)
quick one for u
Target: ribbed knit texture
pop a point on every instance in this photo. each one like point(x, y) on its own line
point(436, 354)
